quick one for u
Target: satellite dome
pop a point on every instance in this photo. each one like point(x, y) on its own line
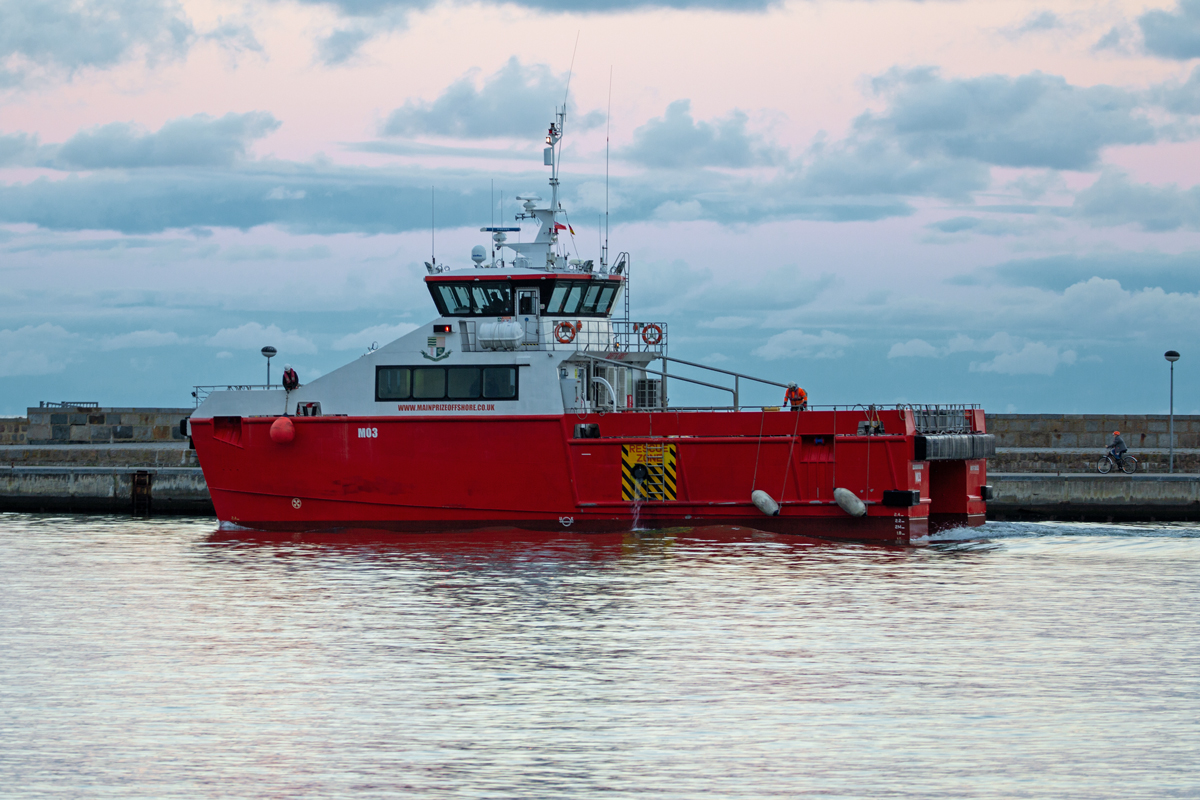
point(478, 254)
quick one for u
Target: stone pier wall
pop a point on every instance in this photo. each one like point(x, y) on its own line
point(105, 425)
point(14, 430)
point(1092, 431)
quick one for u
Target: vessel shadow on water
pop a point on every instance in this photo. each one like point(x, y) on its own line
point(526, 404)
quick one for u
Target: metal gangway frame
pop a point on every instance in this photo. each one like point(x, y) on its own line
point(200, 393)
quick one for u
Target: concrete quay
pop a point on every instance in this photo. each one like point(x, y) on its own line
point(161, 454)
point(111, 490)
point(153, 478)
point(1094, 497)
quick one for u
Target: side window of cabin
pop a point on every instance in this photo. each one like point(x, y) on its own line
point(429, 383)
point(500, 383)
point(556, 298)
point(442, 383)
point(392, 383)
point(462, 383)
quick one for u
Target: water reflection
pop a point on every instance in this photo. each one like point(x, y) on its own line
point(158, 658)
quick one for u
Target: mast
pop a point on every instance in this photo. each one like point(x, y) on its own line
point(553, 156)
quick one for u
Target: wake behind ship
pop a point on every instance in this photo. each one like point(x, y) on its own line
point(526, 404)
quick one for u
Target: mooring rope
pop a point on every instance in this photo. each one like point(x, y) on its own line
point(754, 480)
point(791, 446)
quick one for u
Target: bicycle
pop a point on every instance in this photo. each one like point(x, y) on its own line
point(1128, 464)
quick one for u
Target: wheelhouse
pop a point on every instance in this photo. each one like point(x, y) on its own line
point(506, 296)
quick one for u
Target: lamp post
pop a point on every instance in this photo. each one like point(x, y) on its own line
point(269, 351)
point(1172, 356)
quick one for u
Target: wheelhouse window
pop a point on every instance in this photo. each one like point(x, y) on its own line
point(473, 298)
point(585, 298)
point(445, 383)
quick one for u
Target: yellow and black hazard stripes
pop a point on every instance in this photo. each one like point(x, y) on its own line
point(648, 472)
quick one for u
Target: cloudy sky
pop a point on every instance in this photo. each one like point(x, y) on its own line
point(991, 201)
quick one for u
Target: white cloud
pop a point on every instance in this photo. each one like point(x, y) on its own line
point(33, 350)
point(283, 193)
point(797, 344)
point(1035, 358)
point(672, 211)
point(224, 354)
point(1014, 355)
point(253, 336)
point(727, 323)
point(1001, 342)
point(913, 348)
point(149, 338)
point(714, 358)
point(379, 333)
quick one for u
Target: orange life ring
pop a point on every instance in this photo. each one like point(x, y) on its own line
point(564, 332)
point(651, 334)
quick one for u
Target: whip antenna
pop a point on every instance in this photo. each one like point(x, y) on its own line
point(557, 166)
point(571, 71)
point(607, 131)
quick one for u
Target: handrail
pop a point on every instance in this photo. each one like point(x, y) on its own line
point(608, 386)
point(653, 372)
point(737, 377)
point(726, 371)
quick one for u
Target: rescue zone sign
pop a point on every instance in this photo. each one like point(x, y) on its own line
point(648, 472)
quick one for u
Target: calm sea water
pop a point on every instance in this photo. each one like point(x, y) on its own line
point(161, 659)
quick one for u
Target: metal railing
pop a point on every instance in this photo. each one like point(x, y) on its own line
point(737, 378)
point(591, 335)
point(68, 404)
point(201, 393)
point(734, 390)
point(941, 419)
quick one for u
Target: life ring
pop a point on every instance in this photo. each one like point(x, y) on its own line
point(651, 334)
point(564, 332)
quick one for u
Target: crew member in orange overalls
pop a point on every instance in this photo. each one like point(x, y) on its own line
point(291, 380)
point(796, 397)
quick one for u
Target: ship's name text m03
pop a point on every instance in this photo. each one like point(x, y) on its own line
point(368, 433)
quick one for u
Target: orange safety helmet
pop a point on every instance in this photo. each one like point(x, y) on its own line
point(1116, 433)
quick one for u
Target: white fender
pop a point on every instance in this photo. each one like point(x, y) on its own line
point(763, 502)
point(849, 502)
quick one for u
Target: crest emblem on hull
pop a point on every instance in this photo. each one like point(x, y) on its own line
point(435, 349)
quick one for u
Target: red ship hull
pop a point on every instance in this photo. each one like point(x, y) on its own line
point(442, 473)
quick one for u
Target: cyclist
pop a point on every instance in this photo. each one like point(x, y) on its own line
point(796, 397)
point(1117, 448)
